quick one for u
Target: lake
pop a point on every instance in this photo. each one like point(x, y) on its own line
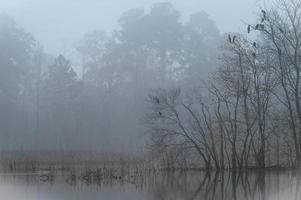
point(254, 185)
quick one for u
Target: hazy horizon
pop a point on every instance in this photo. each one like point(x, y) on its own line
point(67, 22)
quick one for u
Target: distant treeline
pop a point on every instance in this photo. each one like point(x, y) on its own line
point(48, 104)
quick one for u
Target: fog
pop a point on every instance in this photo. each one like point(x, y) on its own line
point(59, 27)
point(144, 99)
point(59, 24)
point(153, 77)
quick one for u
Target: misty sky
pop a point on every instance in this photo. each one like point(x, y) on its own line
point(57, 24)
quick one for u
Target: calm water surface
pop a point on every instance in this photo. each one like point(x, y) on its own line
point(284, 185)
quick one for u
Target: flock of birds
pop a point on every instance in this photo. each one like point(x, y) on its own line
point(259, 27)
point(232, 39)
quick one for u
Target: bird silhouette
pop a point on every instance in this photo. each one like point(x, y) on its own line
point(249, 28)
point(264, 14)
point(229, 38)
point(261, 27)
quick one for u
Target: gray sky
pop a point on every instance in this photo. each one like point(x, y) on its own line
point(57, 24)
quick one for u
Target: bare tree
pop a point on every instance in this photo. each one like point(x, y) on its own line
point(281, 30)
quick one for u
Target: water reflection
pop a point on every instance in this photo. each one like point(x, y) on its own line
point(251, 185)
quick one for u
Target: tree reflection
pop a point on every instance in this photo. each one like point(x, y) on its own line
point(218, 185)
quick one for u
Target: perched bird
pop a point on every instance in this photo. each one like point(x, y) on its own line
point(229, 38)
point(234, 37)
point(249, 28)
point(254, 55)
point(281, 30)
point(157, 100)
point(261, 27)
point(264, 14)
point(160, 113)
point(254, 44)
